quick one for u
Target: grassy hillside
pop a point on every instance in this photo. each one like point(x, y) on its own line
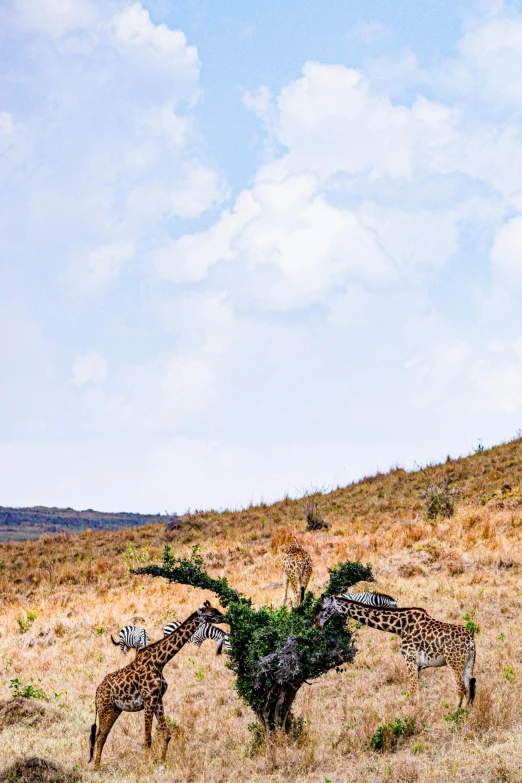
point(19, 524)
point(61, 597)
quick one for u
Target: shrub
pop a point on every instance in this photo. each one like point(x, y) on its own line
point(21, 691)
point(456, 717)
point(388, 735)
point(439, 500)
point(274, 651)
point(24, 623)
point(314, 520)
point(471, 625)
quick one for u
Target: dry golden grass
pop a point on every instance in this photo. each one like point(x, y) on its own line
point(68, 593)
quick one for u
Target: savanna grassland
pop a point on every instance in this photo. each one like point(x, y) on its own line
point(61, 597)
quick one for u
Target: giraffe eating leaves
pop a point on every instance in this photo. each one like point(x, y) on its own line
point(141, 686)
point(425, 642)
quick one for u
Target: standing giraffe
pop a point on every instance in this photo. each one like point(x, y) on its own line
point(297, 569)
point(141, 686)
point(425, 642)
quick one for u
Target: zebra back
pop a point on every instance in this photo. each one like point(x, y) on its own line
point(132, 636)
point(207, 631)
point(371, 599)
point(170, 628)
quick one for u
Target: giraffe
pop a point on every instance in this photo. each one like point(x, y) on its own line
point(141, 686)
point(297, 569)
point(425, 642)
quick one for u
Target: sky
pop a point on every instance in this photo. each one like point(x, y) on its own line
point(254, 249)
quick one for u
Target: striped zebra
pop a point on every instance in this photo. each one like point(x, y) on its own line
point(205, 631)
point(132, 636)
point(371, 599)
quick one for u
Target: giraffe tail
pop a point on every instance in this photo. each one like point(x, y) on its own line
point(92, 738)
point(472, 689)
point(301, 596)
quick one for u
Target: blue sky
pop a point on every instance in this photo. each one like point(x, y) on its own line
point(249, 249)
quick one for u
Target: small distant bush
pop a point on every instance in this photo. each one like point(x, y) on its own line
point(21, 691)
point(135, 557)
point(439, 500)
point(388, 735)
point(24, 623)
point(314, 520)
point(509, 673)
point(479, 447)
point(456, 717)
point(471, 625)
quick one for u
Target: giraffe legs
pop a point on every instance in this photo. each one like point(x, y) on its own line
point(285, 577)
point(458, 679)
point(160, 717)
point(107, 718)
point(413, 674)
point(149, 715)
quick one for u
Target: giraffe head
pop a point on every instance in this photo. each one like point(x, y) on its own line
point(208, 614)
point(329, 607)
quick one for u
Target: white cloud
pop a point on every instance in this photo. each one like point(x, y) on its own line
point(164, 48)
point(108, 138)
point(290, 238)
point(95, 268)
point(90, 367)
point(56, 18)
point(502, 386)
point(506, 253)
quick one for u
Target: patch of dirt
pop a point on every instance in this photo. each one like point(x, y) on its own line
point(26, 711)
point(37, 770)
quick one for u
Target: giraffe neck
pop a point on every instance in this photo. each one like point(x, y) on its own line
point(161, 652)
point(384, 619)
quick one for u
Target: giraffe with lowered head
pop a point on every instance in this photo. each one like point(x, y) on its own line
point(425, 642)
point(297, 570)
point(141, 686)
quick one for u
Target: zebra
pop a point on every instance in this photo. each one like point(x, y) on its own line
point(371, 599)
point(132, 636)
point(205, 631)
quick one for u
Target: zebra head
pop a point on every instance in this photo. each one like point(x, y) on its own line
point(328, 608)
point(208, 614)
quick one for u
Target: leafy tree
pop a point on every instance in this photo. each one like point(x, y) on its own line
point(274, 651)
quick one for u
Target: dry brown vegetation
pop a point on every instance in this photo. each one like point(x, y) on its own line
point(62, 596)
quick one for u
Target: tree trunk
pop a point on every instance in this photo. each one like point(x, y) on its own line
point(275, 713)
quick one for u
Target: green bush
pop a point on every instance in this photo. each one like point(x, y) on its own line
point(388, 735)
point(471, 625)
point(21, 691)
point(273, 650)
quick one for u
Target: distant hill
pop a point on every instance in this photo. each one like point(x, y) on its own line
point(489, 479)
point(19, 524)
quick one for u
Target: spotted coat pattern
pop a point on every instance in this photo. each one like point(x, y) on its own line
point(297, 570)
point(141, 686)
point(425, 642)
